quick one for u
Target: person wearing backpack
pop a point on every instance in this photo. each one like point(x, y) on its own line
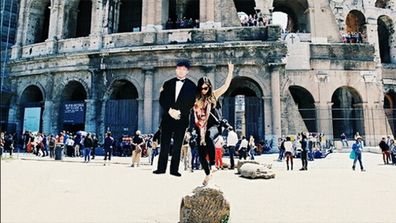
point(357, 148)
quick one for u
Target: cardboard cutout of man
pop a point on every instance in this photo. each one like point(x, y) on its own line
point(177, 97)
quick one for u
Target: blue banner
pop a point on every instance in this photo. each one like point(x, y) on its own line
point(74, 113)
point(31, 119)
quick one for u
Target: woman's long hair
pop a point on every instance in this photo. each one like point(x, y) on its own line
point(209, 94)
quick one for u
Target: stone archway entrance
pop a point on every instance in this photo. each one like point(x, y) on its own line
point(355, 23)
point(38, 22)
point(298, 18)
point(31, 107)
point(385, 31)
point(72, 110)
point(121, 112)
point(130, 15)
point(347, 112)
point(243, 107)
point(306, 106)
point(390, 109)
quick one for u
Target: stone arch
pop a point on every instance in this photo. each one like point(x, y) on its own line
point(390, 109)
point(243, 107)
point(121, 108)
point(347, 112)
point(65, 82)
point(37, 21)
point(130, 15)
point(74, 91)
point(32, 93)
point(122, 89)
point(246, 6)
point(77, 18)
point(32, 97)
point(383, 4)
point(298, 19)
point(385, 38)
point(356, 22)
point(180, 9)
point(123, 78)
point(306, 106)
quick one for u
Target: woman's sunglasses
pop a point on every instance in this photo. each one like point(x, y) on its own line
point(205, 88)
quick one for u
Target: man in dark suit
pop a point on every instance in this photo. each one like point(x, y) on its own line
point(177, 97)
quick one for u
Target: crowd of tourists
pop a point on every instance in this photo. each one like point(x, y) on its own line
point(182, 23)
point(352, 37)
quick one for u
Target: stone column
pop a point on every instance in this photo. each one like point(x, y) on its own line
point(97, 16)
point(13, 116)
point(154, 14)
point(207, 14)
point(16, 51)
point(276, 69)
point(48, 117)
point(90, 116)
point(52, 41)
point(372, 37)
point(148, 99)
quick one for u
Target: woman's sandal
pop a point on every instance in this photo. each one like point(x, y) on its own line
point(206, 180)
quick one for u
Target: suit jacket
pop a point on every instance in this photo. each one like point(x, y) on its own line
point(185, 101)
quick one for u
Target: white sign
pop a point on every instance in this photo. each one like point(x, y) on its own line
point(31, 119)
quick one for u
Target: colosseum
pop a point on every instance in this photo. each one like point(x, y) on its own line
point(98, 65)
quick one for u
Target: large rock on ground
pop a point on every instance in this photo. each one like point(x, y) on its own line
point(242, 162)
point(251, 170)
point(204, 205)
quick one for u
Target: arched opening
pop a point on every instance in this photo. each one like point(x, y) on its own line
point(390, 109)
point(298, 14)
point(243, 107)
point(183, 14)
point(130, 16)
point(356, 23)
point(385, 31)
point(84, 15)
point(281, 19)
point(77, 18)
point(347, 112)
point(121, 115)
point(38, 22)
point(32, 105)
point(382, 4)
point(72, 111)
point(306, 106)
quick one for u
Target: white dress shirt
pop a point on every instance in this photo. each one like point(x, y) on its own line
point(179, 85)
point(232, 138)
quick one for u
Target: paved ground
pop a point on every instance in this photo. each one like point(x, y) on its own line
point(71, 191)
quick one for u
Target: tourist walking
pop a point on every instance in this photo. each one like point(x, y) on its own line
point(289, 153)
point(176, 99)
point(206, 103)
point(357, 148)
point(88, 144)
point(243, 148)
point(252, 146)
point(304, 151)
point(232, 140)
point(385, 150)
point(51, 145)
point(219, 142)
point(108, 147)
point(392, 148)
point(137, 143)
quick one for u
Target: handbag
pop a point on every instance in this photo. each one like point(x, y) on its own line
point(352, 155)
point(138, 149)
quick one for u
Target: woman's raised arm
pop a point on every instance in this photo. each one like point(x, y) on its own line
point(221, 90)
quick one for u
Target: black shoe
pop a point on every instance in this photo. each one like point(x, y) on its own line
point(302, 169)
point(176, 174)
point(353, 167)
point(158, 172)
